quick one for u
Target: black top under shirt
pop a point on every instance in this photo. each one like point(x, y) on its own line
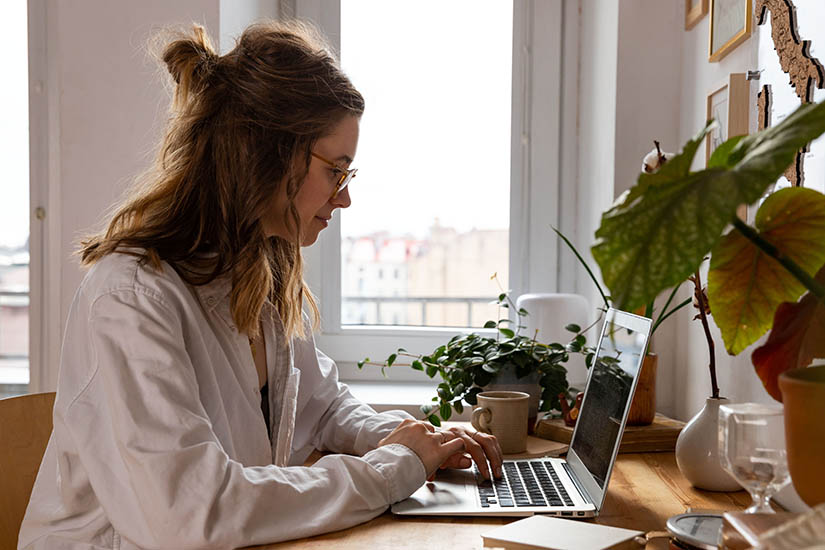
point(265, 408)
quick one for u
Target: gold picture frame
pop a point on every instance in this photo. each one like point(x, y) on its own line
point(731, 22)
point(695, 10)
point(729, 104)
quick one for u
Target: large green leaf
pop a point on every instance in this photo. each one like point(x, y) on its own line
point(745, 285)
point(660, 232)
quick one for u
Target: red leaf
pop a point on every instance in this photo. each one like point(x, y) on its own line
point(797, 337)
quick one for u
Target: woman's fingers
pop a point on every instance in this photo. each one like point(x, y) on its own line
point(455, 447)
point(482, 448)
point(491, 448)
point(432, 447)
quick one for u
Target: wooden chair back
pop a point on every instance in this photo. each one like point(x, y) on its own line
point(25, 428)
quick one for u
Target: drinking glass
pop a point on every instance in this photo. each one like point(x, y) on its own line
point(752, 450)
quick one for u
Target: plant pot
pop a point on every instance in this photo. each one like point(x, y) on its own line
point(643, 406)
point(803, 394)
point(697, 450)
point(506, 380)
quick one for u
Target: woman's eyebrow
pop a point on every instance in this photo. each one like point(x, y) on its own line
point(345, 158)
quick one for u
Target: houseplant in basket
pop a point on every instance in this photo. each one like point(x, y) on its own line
point(660, 231)
point(470, 363)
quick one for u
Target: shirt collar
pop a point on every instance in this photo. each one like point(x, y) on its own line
point(213, 293)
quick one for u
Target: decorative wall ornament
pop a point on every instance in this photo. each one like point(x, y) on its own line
point(763, 104)
point(804, 71)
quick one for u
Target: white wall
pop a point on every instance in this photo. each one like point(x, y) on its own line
point(235, 15)
point(736, 377)
point(98, 108)
point(648, 95)
point(642, 76)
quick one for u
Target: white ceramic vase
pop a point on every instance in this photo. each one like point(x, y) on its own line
point(697, 450)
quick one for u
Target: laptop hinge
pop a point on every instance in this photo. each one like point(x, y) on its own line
point(582, 491)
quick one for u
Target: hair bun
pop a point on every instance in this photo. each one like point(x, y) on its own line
point(190, 60)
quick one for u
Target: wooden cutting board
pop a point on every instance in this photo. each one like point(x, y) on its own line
point(659, 436)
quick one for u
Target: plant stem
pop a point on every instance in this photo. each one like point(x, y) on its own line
point(700, 297)
point(753, 236)
point(664, 309)
point(584, 264)
point(668, 314)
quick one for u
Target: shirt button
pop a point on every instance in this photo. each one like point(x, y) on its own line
point(210, 301)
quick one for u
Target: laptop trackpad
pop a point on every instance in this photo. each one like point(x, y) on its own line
point(453, 490)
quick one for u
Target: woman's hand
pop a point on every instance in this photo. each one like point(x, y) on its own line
point(455, 447)
point(433, 447)
point(480, 447)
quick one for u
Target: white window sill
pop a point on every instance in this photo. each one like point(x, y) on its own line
point(387, 395)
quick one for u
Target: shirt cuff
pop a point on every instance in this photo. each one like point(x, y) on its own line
point(378, 426)
point(400, 467)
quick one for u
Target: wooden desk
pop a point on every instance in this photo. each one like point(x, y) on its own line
point(645, 490)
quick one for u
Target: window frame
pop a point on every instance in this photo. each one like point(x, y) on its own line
point(534, 192)
point(44, 197)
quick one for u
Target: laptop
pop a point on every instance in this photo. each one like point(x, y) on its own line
point(573, 487)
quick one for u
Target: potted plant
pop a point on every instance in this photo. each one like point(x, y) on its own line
point(470, 363)
point(659, 232)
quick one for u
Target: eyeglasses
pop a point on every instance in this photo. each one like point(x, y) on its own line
point(345, 175)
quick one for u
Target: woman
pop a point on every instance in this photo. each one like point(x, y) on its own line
point(190, 389)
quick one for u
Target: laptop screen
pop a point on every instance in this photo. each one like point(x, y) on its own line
point(609, 390)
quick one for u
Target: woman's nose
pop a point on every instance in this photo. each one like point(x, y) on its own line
point(342, 199)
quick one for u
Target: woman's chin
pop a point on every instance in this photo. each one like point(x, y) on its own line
point(309, 238)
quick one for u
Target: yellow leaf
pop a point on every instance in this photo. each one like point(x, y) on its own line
point(745, 285)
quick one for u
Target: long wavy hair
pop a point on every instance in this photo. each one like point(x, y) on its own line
point(241, 129)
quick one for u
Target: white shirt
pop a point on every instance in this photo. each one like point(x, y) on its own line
point(159, 440)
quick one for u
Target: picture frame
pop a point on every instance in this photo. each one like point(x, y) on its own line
point(729, 104)
point(731, 23)
point(695, 10)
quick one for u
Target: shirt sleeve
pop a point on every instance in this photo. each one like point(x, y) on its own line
point(330, 417)
point(160, 472)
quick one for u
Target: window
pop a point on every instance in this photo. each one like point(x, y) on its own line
point(14, 207)
point(433, 200)
point(468, 187)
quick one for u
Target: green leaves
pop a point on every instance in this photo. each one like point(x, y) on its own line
point(658, 234)
point(469, 362)
point(745, 285)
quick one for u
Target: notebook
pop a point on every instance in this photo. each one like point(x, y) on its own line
point(543, 533)
point(573, 487)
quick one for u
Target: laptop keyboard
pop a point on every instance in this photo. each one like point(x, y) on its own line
point(523, 484)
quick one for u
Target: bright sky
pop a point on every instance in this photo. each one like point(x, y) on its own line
point(435, 137)
point(14, 127)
